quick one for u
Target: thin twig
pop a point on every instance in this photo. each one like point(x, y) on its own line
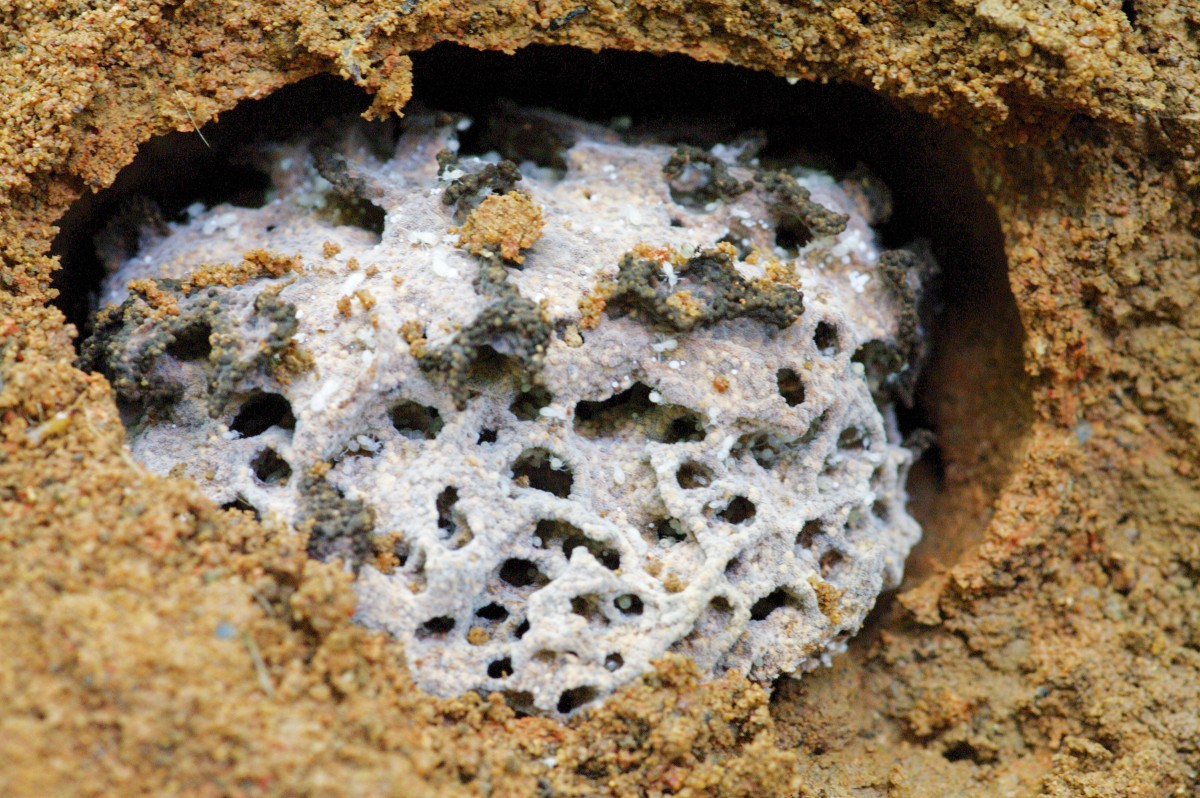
point(264, 679)
point(262, 602)
point(191, 119)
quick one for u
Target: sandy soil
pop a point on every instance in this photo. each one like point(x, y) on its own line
point(1047, 640)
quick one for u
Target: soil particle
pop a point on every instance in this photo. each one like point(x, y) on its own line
point(502, 225)
point(337, 527)
point(709, 290)
point(463, 192)
point(794, 207)
point(511, 329)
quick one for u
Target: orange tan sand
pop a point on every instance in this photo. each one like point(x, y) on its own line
point(1046, 646)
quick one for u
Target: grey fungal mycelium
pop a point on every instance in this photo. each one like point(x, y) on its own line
point(560, 419)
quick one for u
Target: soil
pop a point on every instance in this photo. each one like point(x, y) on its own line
point(1047, 639)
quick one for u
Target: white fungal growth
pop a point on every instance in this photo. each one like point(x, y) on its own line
point(731, 490)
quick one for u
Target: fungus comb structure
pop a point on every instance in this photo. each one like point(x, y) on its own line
point(560, 418)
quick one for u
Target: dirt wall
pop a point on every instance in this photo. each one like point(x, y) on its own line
point(1047, 640)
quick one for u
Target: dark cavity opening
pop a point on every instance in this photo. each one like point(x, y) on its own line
point(492, 612)
point(766, 605)
point(692, 475)
point(791, 235)
point(684, 427)
point(594, 418)
point(269, 468)
point(521, 703)
point(402, 551)
point(692, 188)
point(416, 421)
point(192, 343)
point(807, 536)
point(589, 607)
point(571, 537)
point(769, 450)
point(634, 412)
point(491, 366)
point(486, 436)
point(791, 388)
point(519, 135)
point(241, 505)
point(629, 604)
point(881, 362)
point(522, 573)
point(445, 502)
point(739, 511)
point(261, 412)
point(973, 392)
point(574, 698)
point(825, 337)
point(668, 529)
point(853, 438)
point(527, 403)
point(963, 751)
point(435, 627)
point(830, 562)
point(500, 669)
point(535, 469)
point(454, 530)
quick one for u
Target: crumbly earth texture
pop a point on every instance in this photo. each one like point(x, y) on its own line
point(702, 468)
point(1045, 639)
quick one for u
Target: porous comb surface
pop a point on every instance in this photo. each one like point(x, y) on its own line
point(656, 433)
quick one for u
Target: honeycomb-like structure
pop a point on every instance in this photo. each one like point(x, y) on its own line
point(560, 418)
